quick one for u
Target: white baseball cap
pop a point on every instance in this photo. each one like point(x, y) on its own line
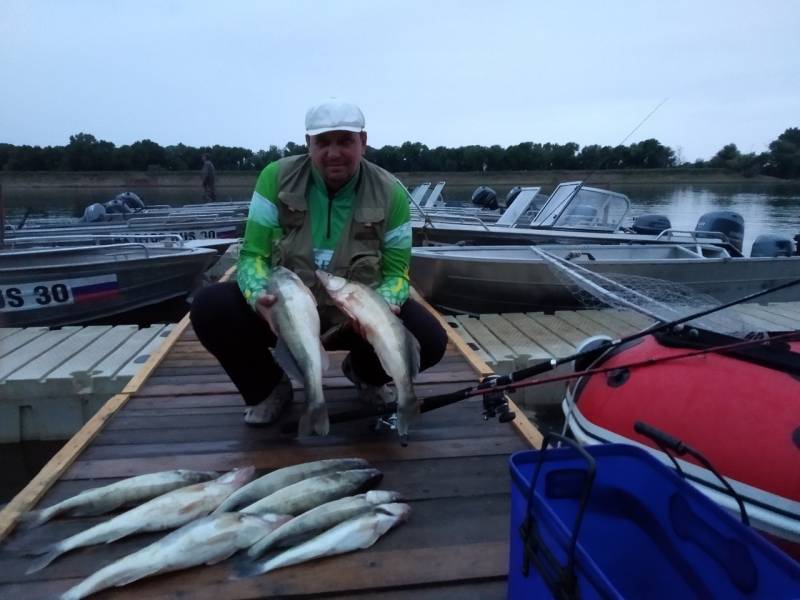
point(334, 115)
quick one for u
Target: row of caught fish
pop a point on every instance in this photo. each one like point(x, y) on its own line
point(307, 508)
point(299, 351)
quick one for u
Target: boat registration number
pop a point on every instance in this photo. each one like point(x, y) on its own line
point(44, 294)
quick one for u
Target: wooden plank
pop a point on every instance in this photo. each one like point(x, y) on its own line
point(122, 355)
point(9, 331)
point(552, 344)
point(521, 423)
point(35, 348)
point(637, 320)
point(19, 338)
point(57, 465)
point(610, 324)
point(752, 320)
point(369, 570)
point(559, 327)
point(780, 322)
point(786, 309)
point(69, 350)
point(502, 355)
point(92, 355)
point(156, 357)
point(296, 451)
point(159, 345)
point(64, 458)
point(525, 349)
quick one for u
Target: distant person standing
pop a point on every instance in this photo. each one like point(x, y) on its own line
point(208, 173)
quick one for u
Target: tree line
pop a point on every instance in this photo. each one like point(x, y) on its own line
point(86, 153)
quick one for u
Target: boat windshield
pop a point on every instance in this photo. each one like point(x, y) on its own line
point(589, 208)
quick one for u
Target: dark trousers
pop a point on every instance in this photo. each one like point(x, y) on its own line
point(240, 340)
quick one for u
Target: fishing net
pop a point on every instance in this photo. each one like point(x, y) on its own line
point(663, 300)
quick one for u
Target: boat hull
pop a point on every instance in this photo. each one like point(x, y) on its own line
point(74, 285)
point(742, 416)
point(492, 279)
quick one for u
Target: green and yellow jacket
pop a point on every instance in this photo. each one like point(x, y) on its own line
point(329, 217)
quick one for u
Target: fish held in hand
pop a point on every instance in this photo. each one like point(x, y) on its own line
point(354, 534)
point(208, 541)
point(294, 319)
point(322, 518)
point(101, 500)
point(309, 493)
point(280, 478)
point(396, 347)
point(168, 511)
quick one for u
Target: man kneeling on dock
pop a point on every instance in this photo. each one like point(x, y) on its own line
point(330, 210)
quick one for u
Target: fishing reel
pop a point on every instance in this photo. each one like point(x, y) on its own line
point(495, 402)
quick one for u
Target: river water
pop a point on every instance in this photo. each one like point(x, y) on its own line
point(766, 207)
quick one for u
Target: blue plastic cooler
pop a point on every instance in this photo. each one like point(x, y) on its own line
point(644, 533)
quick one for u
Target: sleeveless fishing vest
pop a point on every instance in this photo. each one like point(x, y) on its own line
point(357, 255)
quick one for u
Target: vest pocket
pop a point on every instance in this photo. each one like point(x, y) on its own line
point(365, 267)
point(292, 210)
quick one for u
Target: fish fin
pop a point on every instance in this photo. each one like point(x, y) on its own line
point(412, 353)
point(325, 359)
point(246, 567)
point(284, 357)
point(219, 559)
point(135, 577)
point(192, 507)
point(34, 518)
point(40, 563)
point(314, 420)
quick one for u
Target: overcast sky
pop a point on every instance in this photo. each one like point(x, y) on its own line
point(443, 73)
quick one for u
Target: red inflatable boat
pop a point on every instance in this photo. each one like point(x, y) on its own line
point(740, 408)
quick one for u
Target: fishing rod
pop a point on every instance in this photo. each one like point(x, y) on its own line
point(496, 404)
point(605, 160)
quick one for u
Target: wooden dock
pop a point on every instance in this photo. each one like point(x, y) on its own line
point(53, 380)
point(183, 412)
point(511, 341)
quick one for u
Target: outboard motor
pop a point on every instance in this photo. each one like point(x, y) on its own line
point(117, 206)
point(724, 221)
point(130, 200)
point(94, 213)
point(650, 224)
point(772, 245)
point(512, 195)
point(485, 196)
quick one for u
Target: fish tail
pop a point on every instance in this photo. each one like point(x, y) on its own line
point(315, 418)
point(246, 567)
point(49, 554)
point(34, 518)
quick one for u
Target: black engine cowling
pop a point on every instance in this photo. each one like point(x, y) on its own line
point(727, 222)
point(772, 245)
point(485, 196)
point(650, 224)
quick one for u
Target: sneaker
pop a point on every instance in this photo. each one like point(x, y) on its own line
point(367, 393)
point(268, 410)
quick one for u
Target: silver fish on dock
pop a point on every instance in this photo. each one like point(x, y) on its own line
point(299, 351)
point(171, 510)
point(280, 478)
point(310, 493)
point(101, 500)
point(207, 541)
point(396, 347)
point(322, 518)
point(354, 534)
